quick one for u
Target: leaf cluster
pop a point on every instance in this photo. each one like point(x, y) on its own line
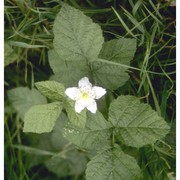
point(80, 50)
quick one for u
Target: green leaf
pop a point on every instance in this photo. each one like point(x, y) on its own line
point(73, 163)
point(137, 123)
point(52, 142)
point(42, 118)
point(23, 98)
point(9, 55)
point(67, 72)
point(66, 159)
point(56, 138)
point(95, 135)
point(112, 164)
point(117, 50)
point(52, 90)
point(78, 119)
point(76, 37)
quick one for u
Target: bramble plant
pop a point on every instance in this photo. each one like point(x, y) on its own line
point(100, 129)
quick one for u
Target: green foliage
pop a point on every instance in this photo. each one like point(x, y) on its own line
point(51, 89)
point(78, 54)
point(76, 37)
point(66, 160)
point(74, 56)
point(67, 72)
point(78, 119)
point(23, 98)
point(41, 118)
point(73, 163)
point(112, 164)
point(137, 123)
point(95, 135)
point(58, 141)
point(118, 50)
point(38, 115)
point(55, 152)
point(9, 55)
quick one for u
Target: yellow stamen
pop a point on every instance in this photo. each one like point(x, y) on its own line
point(84, 95)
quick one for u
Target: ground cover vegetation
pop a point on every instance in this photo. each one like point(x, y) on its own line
point(125, 47)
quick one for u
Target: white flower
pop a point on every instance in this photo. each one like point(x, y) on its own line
point(85, 95)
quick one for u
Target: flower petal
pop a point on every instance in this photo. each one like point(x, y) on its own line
point(79, 106)
point(84, 83)
point(92, 107)
point(72, 93)
point(99, 91)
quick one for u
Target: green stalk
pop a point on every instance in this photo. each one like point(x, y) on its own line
point(126, 66)
point(158, 109)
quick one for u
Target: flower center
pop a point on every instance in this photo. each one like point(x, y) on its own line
point(85, 95)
